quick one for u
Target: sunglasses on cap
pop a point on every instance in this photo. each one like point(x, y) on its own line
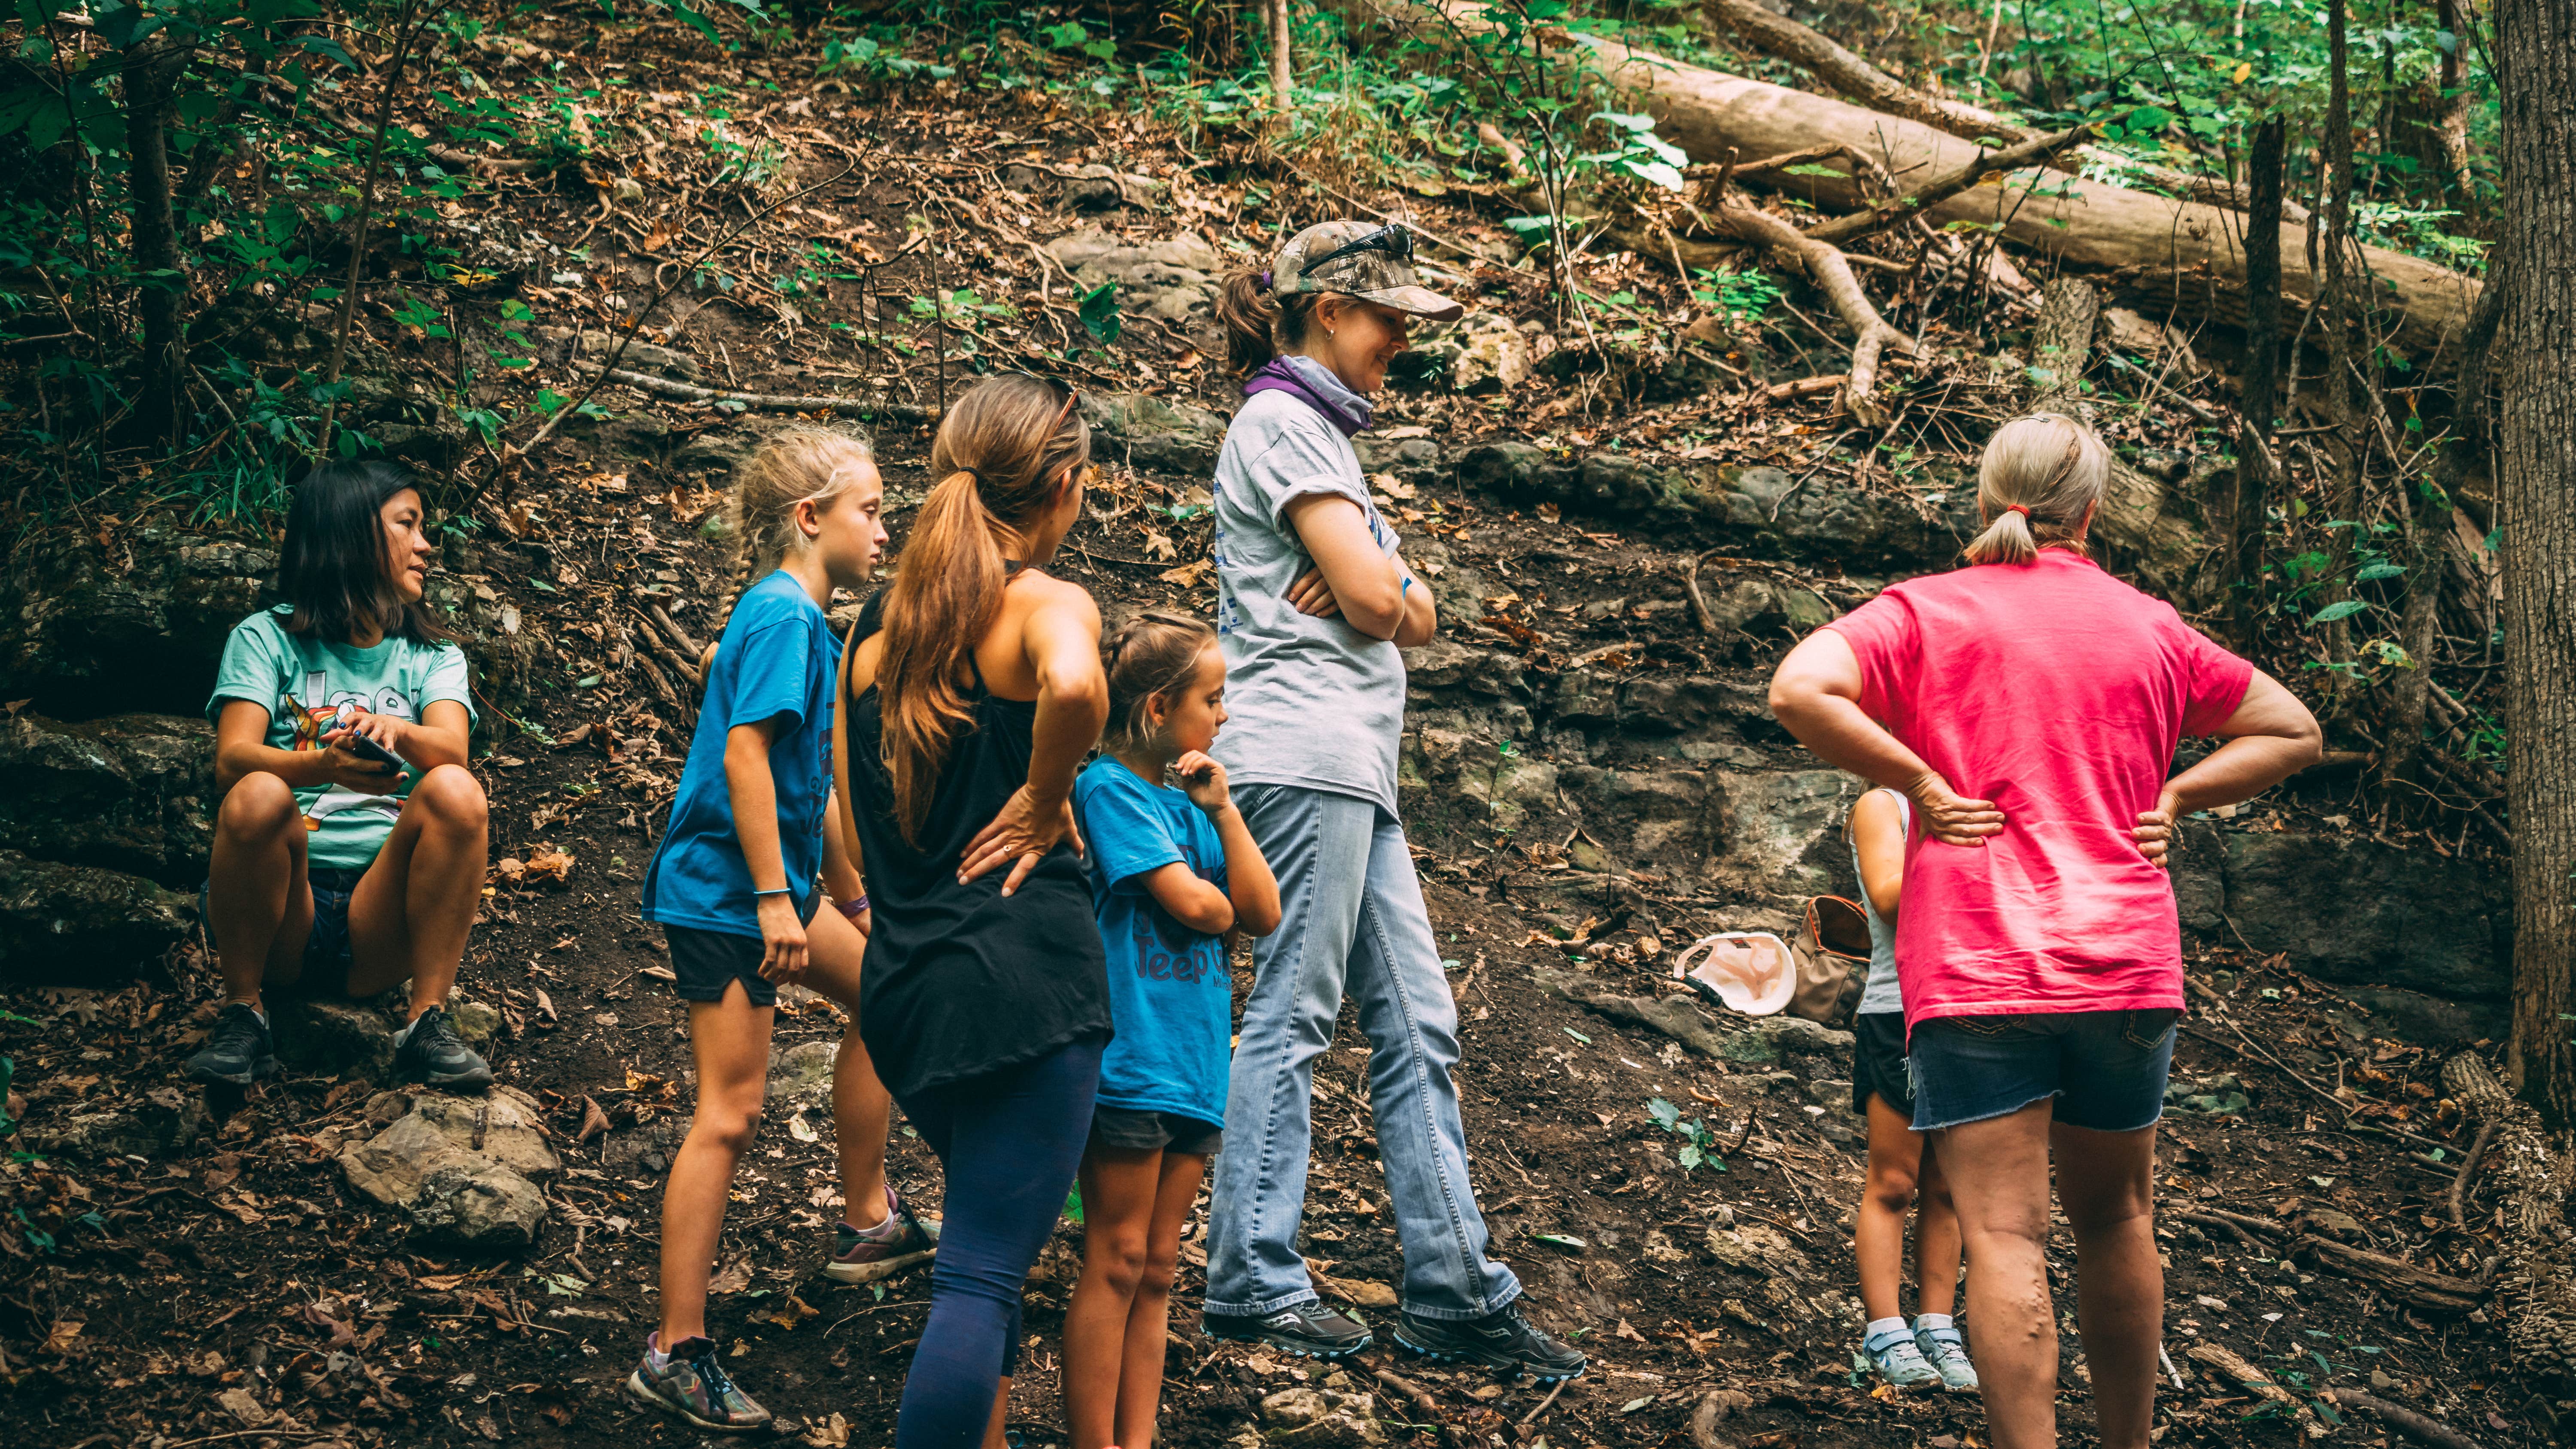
point(1392, 239)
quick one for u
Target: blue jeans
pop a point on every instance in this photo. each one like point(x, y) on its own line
point(1009, 1142)
point(2107, 1069)
point(1353, 921)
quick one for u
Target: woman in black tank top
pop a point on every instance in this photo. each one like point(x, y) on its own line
point(984, 1000)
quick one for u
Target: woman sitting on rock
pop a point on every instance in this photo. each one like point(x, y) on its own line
point(2038, 946)
point(350, 846)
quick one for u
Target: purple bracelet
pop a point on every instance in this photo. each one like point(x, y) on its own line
point(853, 909)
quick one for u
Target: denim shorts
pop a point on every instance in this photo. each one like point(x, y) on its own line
point(324, 976)
point(2105, 1068)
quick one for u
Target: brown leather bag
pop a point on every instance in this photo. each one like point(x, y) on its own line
point(1833, 961)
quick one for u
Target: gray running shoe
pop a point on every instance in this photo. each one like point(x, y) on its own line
point(694, 1385)
point(1500, 1340)
point(438, 1056)
point(881, 1252)
point(237, 1050)
point(1308, 1330)
point(1947, 1352)
point(1898, 1361)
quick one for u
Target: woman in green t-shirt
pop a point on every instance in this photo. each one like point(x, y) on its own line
point(350, 847)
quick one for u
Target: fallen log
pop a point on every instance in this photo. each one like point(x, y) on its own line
point(2418, 1287)
point(2255, 1382)
point(1831, 271)
point(2406, 1421)
point(2161, 255)
point(1854, 77)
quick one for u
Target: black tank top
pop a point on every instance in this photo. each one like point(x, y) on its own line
point(958, 981)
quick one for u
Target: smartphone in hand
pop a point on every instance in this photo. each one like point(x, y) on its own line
point(367, 749)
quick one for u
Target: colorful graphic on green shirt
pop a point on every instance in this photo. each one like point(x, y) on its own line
point(309, 688)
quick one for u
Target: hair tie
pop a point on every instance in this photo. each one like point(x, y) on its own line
point(1265, 281)
point(2021, 508)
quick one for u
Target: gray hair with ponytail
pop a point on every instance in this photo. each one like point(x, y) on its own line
point(2037, 487)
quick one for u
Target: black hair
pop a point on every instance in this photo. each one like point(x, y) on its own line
point(336, 567)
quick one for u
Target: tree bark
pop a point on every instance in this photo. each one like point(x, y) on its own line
point(151, 78)
point(2536, 54)
point(2345, 450)
point(1281, 78)
point(2430, 536)
point(2249, 504)
point(2451, 129)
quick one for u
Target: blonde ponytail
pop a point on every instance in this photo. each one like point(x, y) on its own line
point(799, 463)
point(2037, 487)
point(1001, 451)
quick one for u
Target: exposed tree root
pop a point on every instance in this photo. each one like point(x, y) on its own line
point(762, 402)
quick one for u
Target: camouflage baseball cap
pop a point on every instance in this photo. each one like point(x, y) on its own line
point(1360, 259)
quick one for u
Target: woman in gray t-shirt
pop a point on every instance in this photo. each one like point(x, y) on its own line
point(1313, 604)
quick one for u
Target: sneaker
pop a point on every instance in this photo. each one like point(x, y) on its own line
point(237, 1050)
point(1502, 1340)
point(1898, 1361)
point(693, 1385)
point(440, 1057)
point(882, 1251)
point(1308, 1330)
point(1947, 1352)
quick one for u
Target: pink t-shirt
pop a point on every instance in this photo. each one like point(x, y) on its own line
point(2059, 693)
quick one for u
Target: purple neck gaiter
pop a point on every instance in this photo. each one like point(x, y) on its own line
point(1281, 375)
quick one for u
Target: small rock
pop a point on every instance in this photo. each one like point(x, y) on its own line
point(460, 1165)
point(166, 1120)
point(802, 1072)
point(1322, 1418)
point(1492, 357)
point(480, 1205)
point(354, 1039)
point(476, 1021)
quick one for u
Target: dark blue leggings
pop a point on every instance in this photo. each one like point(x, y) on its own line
point(1010, 1142)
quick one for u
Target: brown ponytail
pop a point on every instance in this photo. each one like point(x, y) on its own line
point(1001, 451)
point(2037, 486)
point(1259, 323)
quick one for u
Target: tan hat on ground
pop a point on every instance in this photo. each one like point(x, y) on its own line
point(1372, 263)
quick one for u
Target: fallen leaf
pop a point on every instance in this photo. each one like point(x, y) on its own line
point(594, 1122)
point(793, 1312)
point(59, 1341)
point(802, 1130)
point(244, 1409)
point(732, 1278)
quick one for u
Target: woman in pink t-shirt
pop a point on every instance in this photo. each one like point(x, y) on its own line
point(2029, 706)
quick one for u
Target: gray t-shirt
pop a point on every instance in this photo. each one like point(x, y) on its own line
point(1881, 994)
point(1309, 702)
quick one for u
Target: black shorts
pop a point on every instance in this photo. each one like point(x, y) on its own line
point(1144, 1131)
point(324, 973)
point(1878, 1062)
point(706, 962)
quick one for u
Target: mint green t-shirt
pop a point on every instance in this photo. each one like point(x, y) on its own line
point(268, 667)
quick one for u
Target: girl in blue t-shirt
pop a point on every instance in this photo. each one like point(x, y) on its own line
point(1174, 874)
point(733, 886)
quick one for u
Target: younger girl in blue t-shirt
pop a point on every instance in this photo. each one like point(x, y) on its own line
point(1173, 874)
point(733, 886)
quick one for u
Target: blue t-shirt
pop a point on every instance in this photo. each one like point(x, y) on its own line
point(778, 660)
point(1168, 991)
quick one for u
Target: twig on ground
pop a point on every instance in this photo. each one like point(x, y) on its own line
point(2469, 1165)
point(2406, 1421)
point(762, 402)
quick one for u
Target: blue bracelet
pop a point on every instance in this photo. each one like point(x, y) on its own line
point(781, 891)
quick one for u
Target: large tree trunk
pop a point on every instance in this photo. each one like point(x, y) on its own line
point(2536, 50)
point(2345, 447)
point(2162, 256)
point(151, 75)
point(2248, 506)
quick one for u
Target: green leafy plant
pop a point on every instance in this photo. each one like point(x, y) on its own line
point(1699, 1144)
